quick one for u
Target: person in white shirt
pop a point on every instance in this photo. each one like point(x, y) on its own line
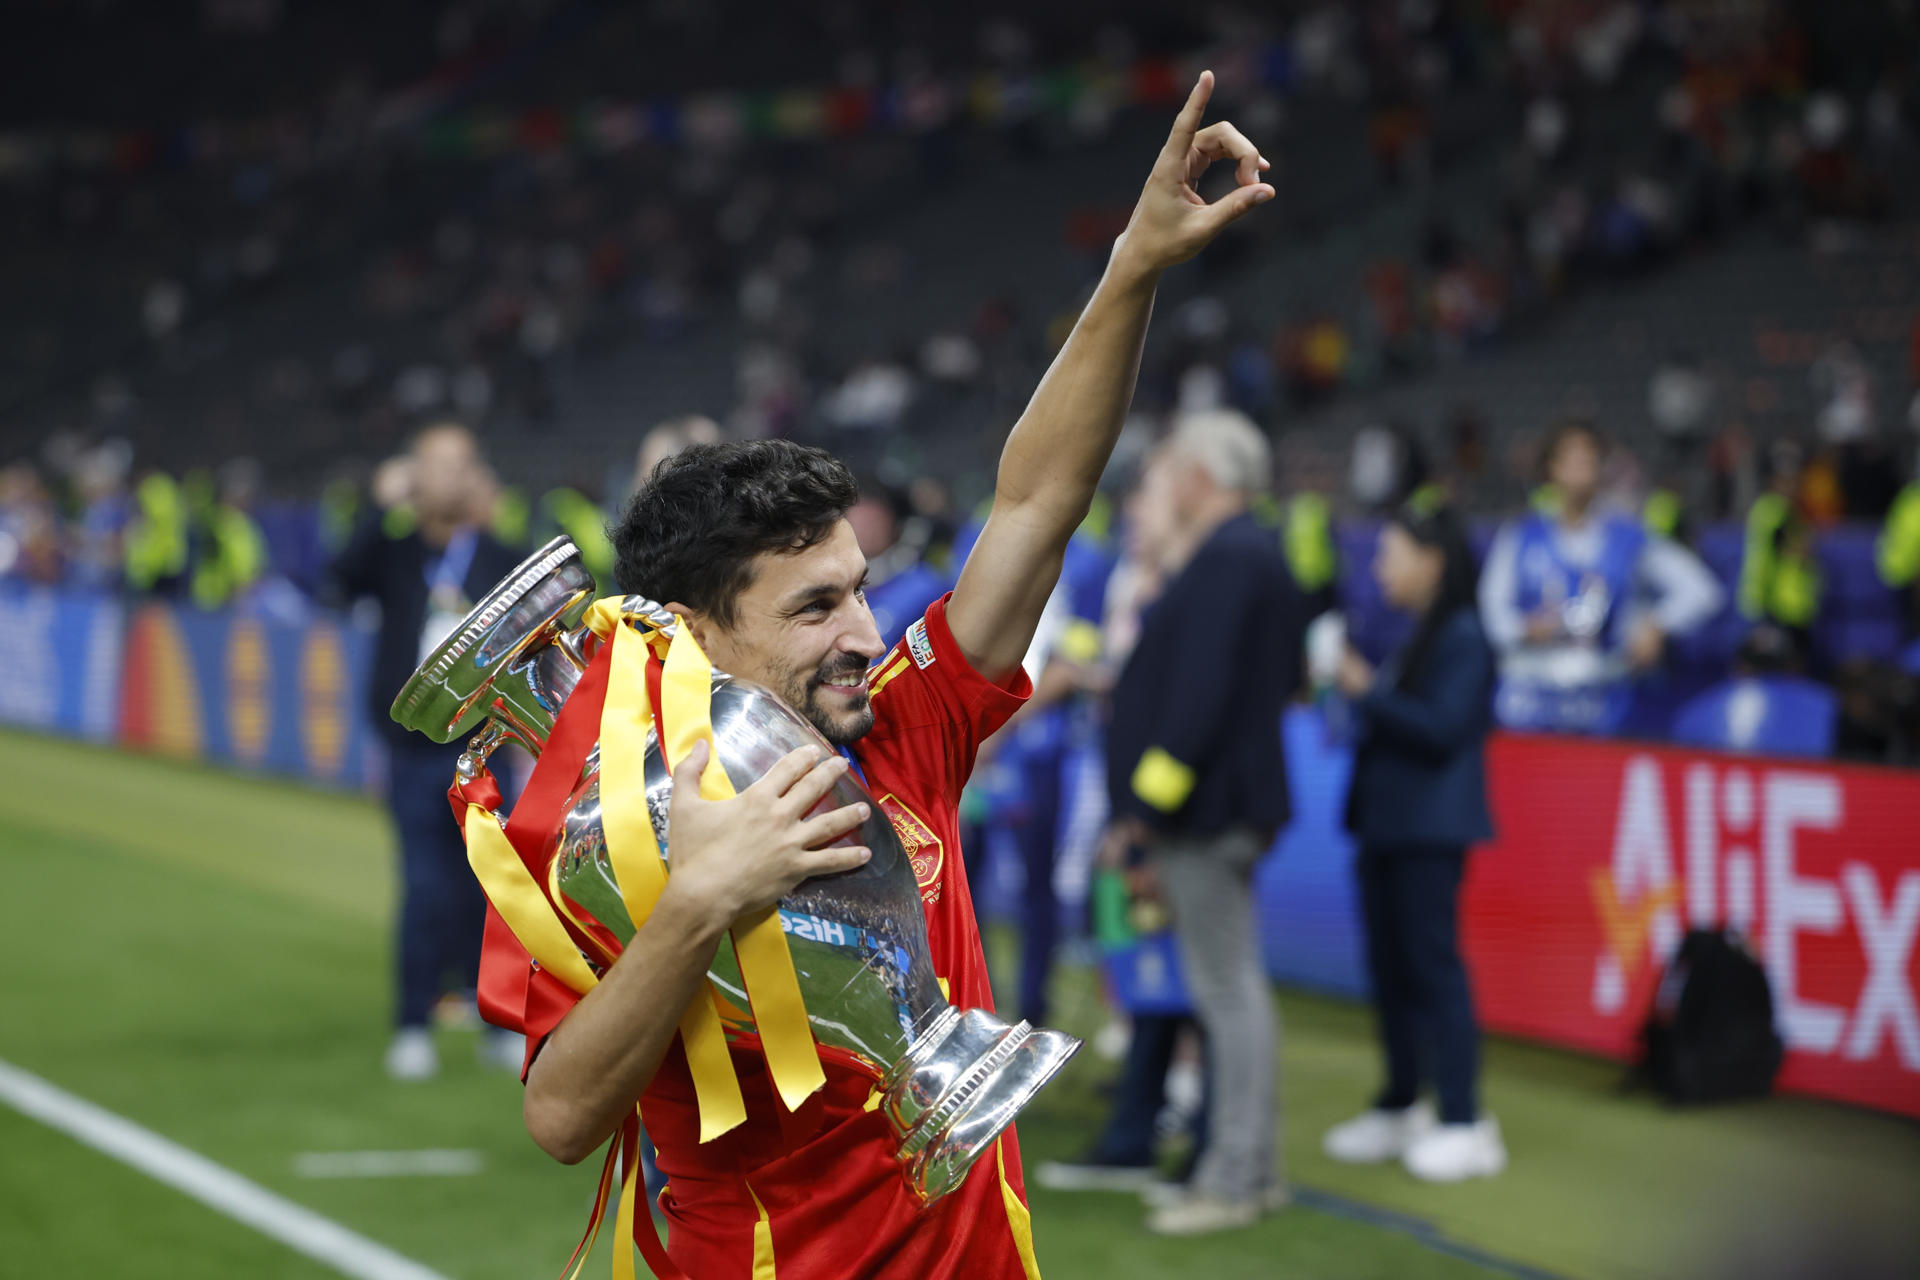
point(1578, 600)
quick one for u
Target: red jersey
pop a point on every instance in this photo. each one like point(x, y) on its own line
point(820, 1190)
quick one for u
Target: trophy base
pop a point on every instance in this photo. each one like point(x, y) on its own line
point(967, 1077)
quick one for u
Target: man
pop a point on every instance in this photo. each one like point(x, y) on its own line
point(229, 550)
point(425, 572)
point(1124, 1157)
point(749, 544)
point(669, 437)
point(1195, 774)
point(1577, 601)
point(1897, 557)
point(1780, 584)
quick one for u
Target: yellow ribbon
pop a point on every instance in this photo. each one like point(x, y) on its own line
point(760, 944)
point(635, 854)
point(514, 893)
point(623, 1220)
point(779, 1011)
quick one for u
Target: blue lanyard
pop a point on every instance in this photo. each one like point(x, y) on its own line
point(854, 764)
point(449, 571)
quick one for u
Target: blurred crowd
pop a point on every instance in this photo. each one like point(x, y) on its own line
point(475, 287)
point(1775, 521)
point(478, 287)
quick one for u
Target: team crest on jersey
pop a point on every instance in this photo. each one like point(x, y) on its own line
point(919, 646)
point(924, 849)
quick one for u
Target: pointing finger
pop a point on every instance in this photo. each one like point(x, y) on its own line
point(1187, 123)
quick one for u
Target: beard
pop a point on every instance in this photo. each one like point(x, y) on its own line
point(807, 692)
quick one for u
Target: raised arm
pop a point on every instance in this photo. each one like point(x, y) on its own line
point(1053, 459)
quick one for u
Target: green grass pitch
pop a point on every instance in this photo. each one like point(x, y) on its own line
point(209, 956)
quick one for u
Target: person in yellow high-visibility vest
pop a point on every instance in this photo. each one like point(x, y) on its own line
point(156, 541)
point(1780, 581)
point(1897, 553)
point(1663, 513)
point(230, 552)
point(1306, 537)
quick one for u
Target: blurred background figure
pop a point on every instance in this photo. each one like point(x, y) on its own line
point(30, 549)
point(105, 507)
point(900, 581)
point(668, 438)
point(228, 551)
point(1125, 1154)
point(1197, 775)
point(1780, 584)
point(1897, 559)
point(1416, 803)
point(424, 559)
point(1579, 600)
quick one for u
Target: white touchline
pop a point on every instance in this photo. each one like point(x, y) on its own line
point(428, 1163)
point(215, 1186)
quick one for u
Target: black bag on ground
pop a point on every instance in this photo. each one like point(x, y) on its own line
point(1710, 1036)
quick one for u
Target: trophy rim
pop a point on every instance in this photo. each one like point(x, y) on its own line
point(428, 680)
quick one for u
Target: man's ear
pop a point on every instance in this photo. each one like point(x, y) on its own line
point(699, 624)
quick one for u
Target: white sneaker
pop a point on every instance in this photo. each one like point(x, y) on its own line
point(1378, 1135)
point(1453, 1152)
point(1110, 1042)
point(1165, 1193)
point(1198, 1215)
point(412, 1056)
point(1092, 1175)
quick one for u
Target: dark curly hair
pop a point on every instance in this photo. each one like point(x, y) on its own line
point(690, 535)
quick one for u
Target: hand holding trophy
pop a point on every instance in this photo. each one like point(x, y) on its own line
point(950, 1080)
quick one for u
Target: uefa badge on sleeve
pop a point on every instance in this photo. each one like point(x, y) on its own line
point(919, 646)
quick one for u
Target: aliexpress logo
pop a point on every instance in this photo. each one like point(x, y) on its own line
point(1731, 854)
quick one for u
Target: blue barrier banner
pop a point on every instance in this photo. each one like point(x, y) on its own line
point(59, 661)
point(255, 692)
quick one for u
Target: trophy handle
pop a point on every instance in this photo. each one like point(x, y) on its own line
point(479, 748)
point(512, 660)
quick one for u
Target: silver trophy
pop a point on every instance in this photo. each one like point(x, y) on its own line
point(951, 1079)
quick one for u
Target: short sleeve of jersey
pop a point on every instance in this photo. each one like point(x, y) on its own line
point(925, 686)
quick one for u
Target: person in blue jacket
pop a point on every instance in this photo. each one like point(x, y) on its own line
point(1418, 799)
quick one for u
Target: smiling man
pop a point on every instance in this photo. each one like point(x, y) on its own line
point(750, 544)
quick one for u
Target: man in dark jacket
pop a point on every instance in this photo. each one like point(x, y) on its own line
point(425, 562)
point(1195, 767)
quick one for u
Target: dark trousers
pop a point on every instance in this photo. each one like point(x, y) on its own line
point(442, 910)
point(1142, 1092)
point(1409, 900)
point(1035, 834)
